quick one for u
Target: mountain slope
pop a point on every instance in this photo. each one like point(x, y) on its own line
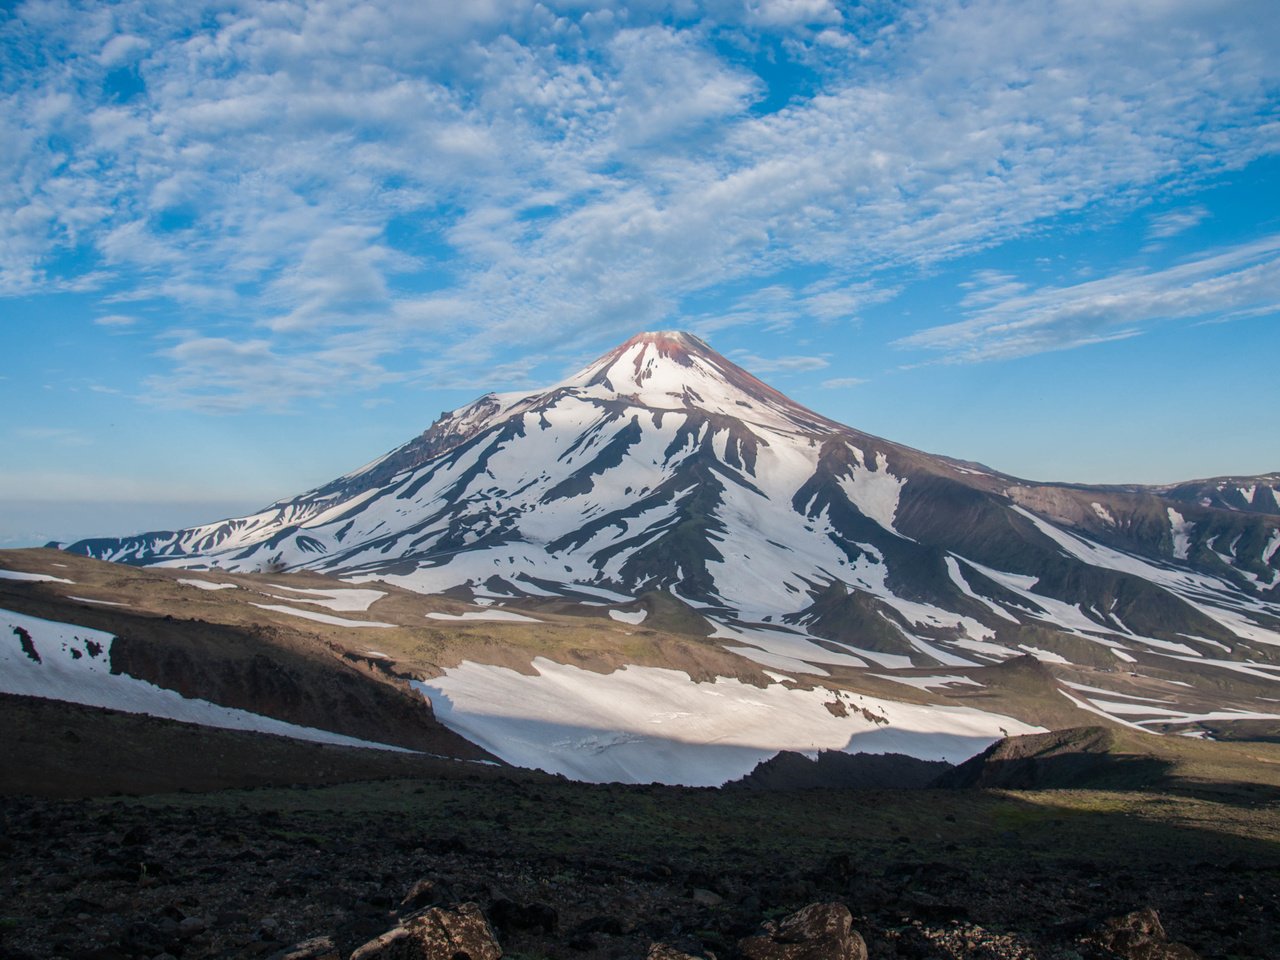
point(663, 469)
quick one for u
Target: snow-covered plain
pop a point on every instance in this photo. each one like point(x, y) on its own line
point(74, 665)
point(648, 724)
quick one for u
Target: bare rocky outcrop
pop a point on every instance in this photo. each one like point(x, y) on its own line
point(834, 769)
point(821, 931)
point(1140, 936)
point(1076, 758)
point(436, 934)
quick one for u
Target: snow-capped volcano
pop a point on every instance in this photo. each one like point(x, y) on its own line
point(663, 466)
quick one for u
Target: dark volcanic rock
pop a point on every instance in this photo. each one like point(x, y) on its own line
point(835, 769)
point(821, 931)
point(507, 915)
point(436, 934)
point(424, 893)
point(664, 951)
point(1140, 936)
point(1076, 758)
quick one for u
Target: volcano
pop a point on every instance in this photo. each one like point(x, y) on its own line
point(663, 472)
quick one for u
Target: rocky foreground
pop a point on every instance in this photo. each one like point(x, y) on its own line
point(488, 868)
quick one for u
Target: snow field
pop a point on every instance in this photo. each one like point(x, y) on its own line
point(648, 724)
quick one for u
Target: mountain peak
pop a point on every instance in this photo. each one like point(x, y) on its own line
point(674, 345)
point(672, 369)
point(670, 342)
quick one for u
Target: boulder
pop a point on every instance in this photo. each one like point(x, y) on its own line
point(436, 934)
point(821, 931)
point(1140, 936)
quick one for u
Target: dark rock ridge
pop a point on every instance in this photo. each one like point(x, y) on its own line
point(664, 468)
point(1079, 758)
point(835, 770)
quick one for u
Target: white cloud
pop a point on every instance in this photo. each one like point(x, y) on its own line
point(843, 383)
point(1176, 221)
point(221, 375)
point(1238, 281)
point(115, 320)
point(120, 49)
point(326, 187)
point(791, 12)
point(792, 364)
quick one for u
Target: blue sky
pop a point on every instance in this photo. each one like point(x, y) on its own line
point(246, 247)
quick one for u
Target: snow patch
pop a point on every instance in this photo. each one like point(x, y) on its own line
point(342, 600)
point(75, 667)
point(797, 649)
point(766, 659)
point(495, 615)
point(1044, 656)
point(208, 584)
point(629, 616)
point(1272, 546)
point(957, 577)
point(105, 603)
point(874, 492)
point(1181, 531)
point(322, 617)
point(31, 577)
point(925, 683)
point(1085, 688)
